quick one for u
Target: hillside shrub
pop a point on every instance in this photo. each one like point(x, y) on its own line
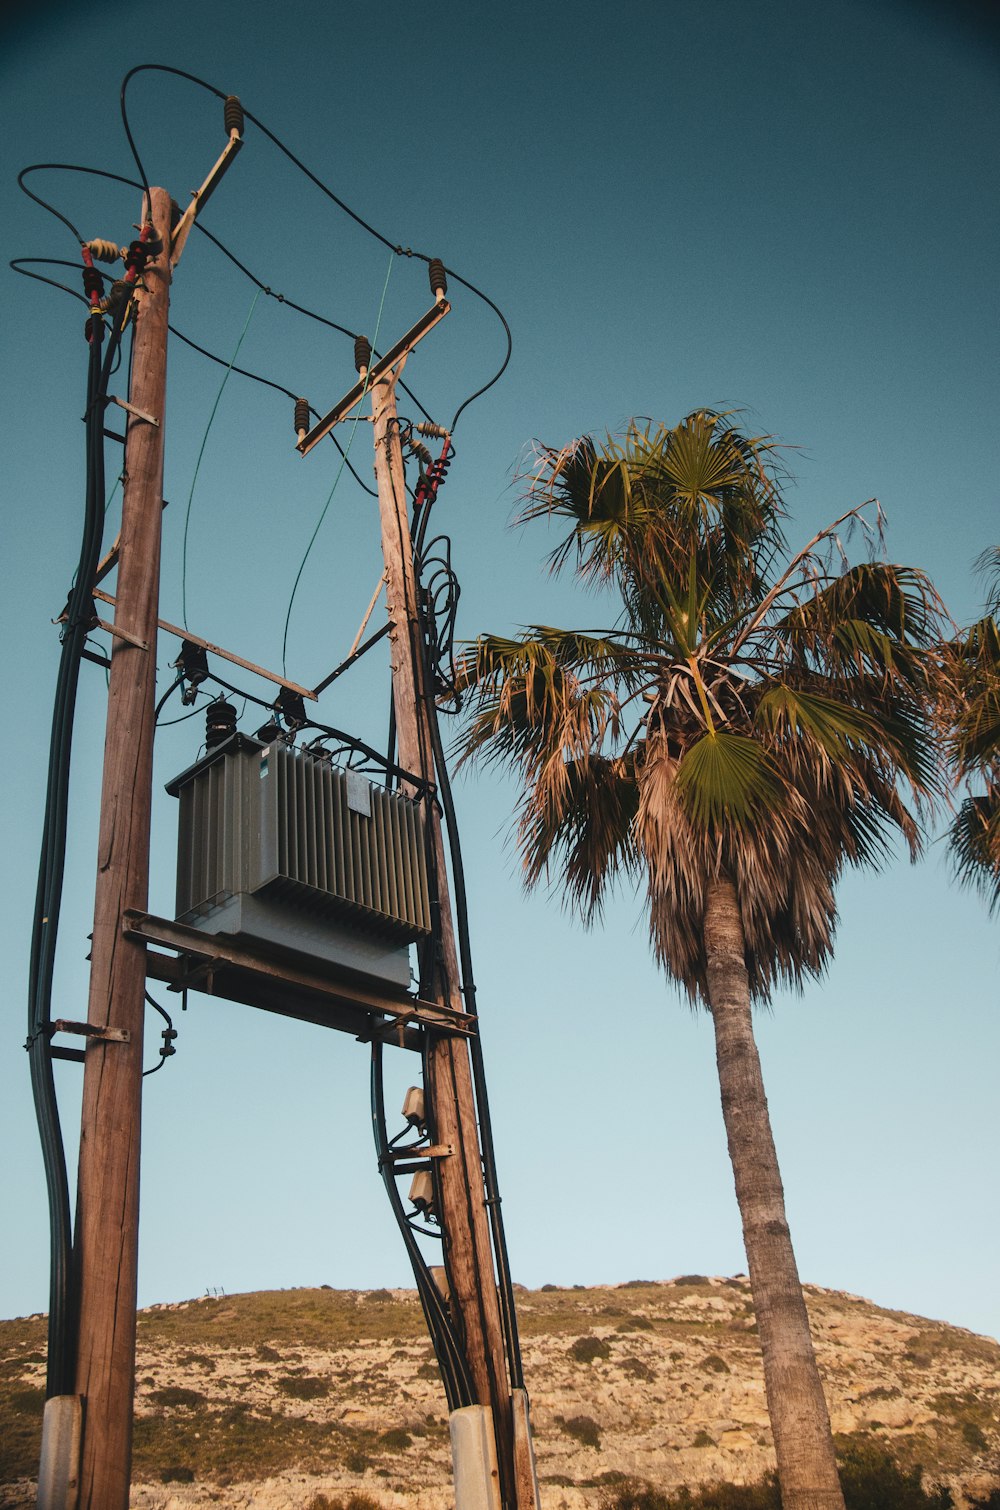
point(873, 1480)
point(175, 1394)
point(177, 1475)
point(586, 1349)
point(304, 1386)
point(356, 1501)
point(713, 1364)
point(870, 1476)
point(584, 1429)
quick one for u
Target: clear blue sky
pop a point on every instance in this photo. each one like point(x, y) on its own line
point(788, 209)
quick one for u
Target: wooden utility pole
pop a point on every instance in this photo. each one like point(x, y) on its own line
point(107, 1226)
point(463, 1215)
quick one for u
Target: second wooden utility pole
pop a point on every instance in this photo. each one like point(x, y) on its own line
point(107, 1225)
point(463, 1215)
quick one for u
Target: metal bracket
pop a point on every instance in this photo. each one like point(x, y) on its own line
point(122, 634)
point(92, 1030)
point(200, 197)
point(137, 413)
point(228, 655)
point(432, 1151)
point(364, 385)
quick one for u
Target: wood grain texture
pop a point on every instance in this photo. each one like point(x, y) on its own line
point(467, 1248)
point(106, 1243)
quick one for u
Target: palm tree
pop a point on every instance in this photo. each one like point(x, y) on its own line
point(751, 725)
point(971, 716)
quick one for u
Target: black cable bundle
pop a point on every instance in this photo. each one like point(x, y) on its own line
point(79, 619)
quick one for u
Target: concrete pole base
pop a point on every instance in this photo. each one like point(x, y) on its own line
point(474, 1458)
point(59, 1467)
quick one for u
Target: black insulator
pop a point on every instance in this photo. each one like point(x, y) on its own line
point(192, 663)
point(301, 415)
point(116, 295)
point(291, 706)
point(141, 252)
point(93, 328)
point(269, 732)
point(220, 722)
point(93, 282)
point(435, 271)
point(232, 115)
point(362, 353)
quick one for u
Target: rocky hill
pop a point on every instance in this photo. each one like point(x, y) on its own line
point(279, 1400)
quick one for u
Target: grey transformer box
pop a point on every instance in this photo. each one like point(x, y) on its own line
point(278, 847)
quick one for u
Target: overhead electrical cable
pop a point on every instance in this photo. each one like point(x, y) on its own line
point(301, 309)
point(201, 453)
point(267, 383)
point(396, 248)
point(45, 925)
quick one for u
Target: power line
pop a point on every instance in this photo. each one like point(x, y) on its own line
point(312, 538)
point(324, 188)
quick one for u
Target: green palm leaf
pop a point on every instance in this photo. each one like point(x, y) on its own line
point(726, 779)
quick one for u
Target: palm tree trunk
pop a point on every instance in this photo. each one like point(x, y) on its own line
point(800, 1422)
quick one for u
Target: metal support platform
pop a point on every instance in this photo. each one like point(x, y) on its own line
point(276, 981)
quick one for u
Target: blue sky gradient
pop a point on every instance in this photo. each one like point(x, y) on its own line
point(787, 210)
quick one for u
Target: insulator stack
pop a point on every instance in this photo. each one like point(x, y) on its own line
point(93, 282)
point(432, 431)
point(220, 722)
point(301, 416)
point(233, 115)
point(439, 283)
point(105, 251)
point(420, 451)
point(362, 353)
point(140, 252)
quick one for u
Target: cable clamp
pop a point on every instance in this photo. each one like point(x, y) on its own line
point(91, 1030)
point(432, 1151)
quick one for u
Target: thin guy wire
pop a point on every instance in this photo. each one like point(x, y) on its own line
point(340, 469)
point(197, 465)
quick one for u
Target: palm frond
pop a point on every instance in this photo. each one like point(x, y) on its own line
point(726, 779)
point(789, 728)
point(583, 826)
point(974, 845)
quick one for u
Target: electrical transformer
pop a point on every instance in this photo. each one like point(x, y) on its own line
point(279, 847)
